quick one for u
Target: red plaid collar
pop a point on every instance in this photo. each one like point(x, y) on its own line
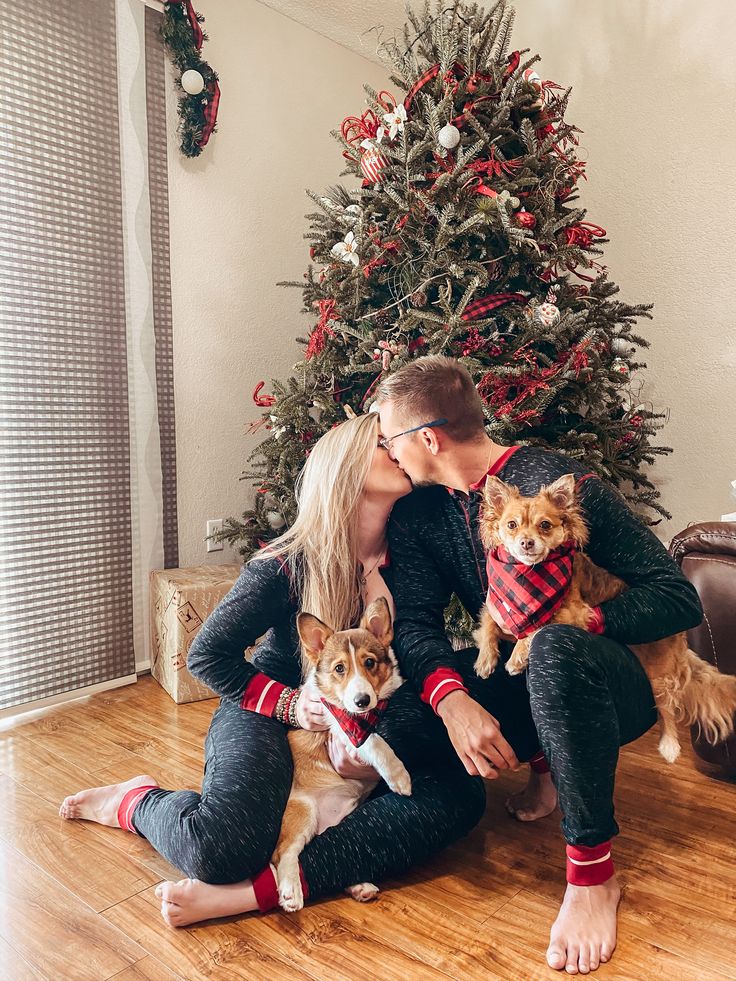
point(527, 596)
point(357, 727)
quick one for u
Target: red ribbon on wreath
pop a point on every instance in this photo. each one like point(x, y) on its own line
point(193, 22)
point(210, 111)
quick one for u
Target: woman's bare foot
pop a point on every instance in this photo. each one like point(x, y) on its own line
point(190, 901)
point(584, 933)
point(536, 800)
point(100, 804)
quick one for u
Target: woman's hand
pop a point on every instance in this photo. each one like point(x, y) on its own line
point(310, 712)
point(347, 762)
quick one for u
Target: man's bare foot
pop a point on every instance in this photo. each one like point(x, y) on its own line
point(536, 800)
point(584, 933)
point(191, 901)
point(100, 804)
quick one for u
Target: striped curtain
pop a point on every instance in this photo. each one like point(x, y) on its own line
point(87, 452)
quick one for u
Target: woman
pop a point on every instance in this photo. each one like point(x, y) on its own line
point(328, 563)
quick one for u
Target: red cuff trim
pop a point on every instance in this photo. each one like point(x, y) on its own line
point(128, 804)
point(597, 622)
point(261, 694)
point(589, 866)
point(266, 889)
point(440, 683)
point(539, 763)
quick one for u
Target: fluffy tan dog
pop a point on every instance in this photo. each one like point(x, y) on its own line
point(532, 531)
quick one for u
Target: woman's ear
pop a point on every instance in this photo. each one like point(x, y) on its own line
point(377, 620)
point(313, 634)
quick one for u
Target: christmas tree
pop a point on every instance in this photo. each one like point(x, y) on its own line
point(464, 238)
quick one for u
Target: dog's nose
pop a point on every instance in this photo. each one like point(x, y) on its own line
point(527, 544)
point(362, 700)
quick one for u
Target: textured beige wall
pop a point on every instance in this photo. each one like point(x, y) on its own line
point(236, 229)
point(654, 92)
point(654, 88)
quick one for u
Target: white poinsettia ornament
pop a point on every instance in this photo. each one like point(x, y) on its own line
point(394, 123)
point(347, 250)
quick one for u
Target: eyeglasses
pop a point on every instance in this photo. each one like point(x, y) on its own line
point(386, 441)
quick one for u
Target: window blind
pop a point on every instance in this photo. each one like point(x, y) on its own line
point(65, 531)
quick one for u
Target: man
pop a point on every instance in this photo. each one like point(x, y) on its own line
point(584, 693)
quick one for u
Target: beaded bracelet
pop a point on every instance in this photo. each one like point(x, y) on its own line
point(291, 709)
point(285, 710)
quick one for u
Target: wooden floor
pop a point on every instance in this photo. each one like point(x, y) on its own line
point(77, 902)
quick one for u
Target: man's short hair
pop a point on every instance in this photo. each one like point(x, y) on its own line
point(435, 387)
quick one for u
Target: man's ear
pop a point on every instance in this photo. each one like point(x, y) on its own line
point(431, 440)
point(497, 494)
point(562, 492)
point(377, 620)
point(313, 634)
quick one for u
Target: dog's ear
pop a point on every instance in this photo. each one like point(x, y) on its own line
point(377, 620)
point(497, 494)
point(562, 492)
point(313, 634)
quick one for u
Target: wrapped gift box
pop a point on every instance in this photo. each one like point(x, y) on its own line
point(181, 600)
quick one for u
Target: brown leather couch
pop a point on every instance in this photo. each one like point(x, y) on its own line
point(706, 553)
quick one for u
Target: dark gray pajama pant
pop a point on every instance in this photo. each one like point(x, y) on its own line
point(587, 696)
point(229, 831)
point(583, 697)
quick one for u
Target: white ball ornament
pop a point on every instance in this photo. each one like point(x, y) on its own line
point(275, 520)
point(192, 81)
point(547, 314)
point(449, 136)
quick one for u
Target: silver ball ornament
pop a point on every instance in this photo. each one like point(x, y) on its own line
point(621, 346)
point(192, 81)
point(449, 136)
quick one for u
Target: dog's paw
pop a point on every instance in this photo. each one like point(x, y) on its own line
point(291, 897)
point(400, 782)
point(364, 892)
point(669, 748)
point(515, 667)
point(484, 664)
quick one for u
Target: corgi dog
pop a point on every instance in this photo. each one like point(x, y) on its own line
point(354, 671)
point(543, 537)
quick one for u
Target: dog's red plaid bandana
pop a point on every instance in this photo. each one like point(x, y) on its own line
point(527, 596)
point(357, 727)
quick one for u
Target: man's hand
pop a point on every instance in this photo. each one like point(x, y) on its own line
point(476, 736)
point(310, 712)
point(347, 762)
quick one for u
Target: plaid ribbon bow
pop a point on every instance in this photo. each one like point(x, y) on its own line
point(357, 727)
point(527, 596)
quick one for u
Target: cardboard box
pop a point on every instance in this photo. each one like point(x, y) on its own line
point(181, 600)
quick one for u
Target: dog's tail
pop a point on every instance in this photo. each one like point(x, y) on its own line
point(708, 699)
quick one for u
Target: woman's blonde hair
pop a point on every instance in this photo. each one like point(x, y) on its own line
point(321, 547)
